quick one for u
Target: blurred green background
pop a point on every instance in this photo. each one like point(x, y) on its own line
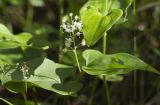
point(139, 36)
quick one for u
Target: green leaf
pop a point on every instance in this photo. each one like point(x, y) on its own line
point(117, 64)
point(5, 33)
point(8, 40)
point(43, 73)
point(6, 101)
point(102, 6)
point(23, 38)
point(10, 56)
point(9, 44)
point(95, 24)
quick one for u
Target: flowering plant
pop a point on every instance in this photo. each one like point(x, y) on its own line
point(30, 67)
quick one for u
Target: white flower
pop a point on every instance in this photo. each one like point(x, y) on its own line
point(83, 43)
point(78, 25)
point(71, 14)
point(73, 28)
point(64, 26)
point(24, 68)
point(76, 17)
point(68, 42)
point(63, 20)
point(78, 34)
point(64, 50)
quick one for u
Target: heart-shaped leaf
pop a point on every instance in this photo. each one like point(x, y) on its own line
point(117, 64)
point(101, 5)
point(42, 73)
point(95, 24)
point(8, 40)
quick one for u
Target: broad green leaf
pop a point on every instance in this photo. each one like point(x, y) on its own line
point(9, 44)
point(9, 40)
point(10, 56)
point(43, 73)
point(5, 33)
point(95, 24)
point(23, 38)
point(106, 6)
point(102, 6)
point(113, 64)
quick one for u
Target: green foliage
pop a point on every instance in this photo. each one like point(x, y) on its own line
point(42, 73)
point(8, 40)
point(23, 58)
point(117, 64)
point(97, 19)
point(95, 24)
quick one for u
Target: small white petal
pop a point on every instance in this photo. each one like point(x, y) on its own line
point(76, 17)
point(83, 42)
point(71, 14)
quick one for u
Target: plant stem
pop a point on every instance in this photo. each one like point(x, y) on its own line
point(107, 91)
point(61, 12)
point(7, 102)
point(104, 79)
point(93, 91)
point(135, 72)
point(135, 53)
point(25, 94)
point(104, 43)
point(34, 96)
point(134, 7)
point(76, 57)
point(29, 14)
point(75, 52)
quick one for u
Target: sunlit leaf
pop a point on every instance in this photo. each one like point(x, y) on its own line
point(95, 24)
point(43, 73)
point(9, 40)
point(121, 63)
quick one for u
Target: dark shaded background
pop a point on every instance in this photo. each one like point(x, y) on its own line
point(139, 36)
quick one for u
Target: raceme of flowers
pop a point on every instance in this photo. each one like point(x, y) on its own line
point(74, 28)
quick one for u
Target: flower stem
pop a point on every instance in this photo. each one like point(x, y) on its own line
point(94, 86)
point(61, 12)
point(76, 57)
point(104, 79)
point(75, 52)
point(7, 102)
point(25, 94)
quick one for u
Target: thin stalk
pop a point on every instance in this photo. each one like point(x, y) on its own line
point(25, 82)
point(104, 43)
point(135, 53)
point(104, 79)
point(34, 96)
point(134, 7)
point(7, 102)
point(25, 94)
point(75, 52)
point(90, 102)
point(77, 61)
point(29, 14)
point(107, 91)
point(135, 72)
point(61, 12)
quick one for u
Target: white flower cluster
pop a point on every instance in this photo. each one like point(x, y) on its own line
point(75, 26)
point(24, 68)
